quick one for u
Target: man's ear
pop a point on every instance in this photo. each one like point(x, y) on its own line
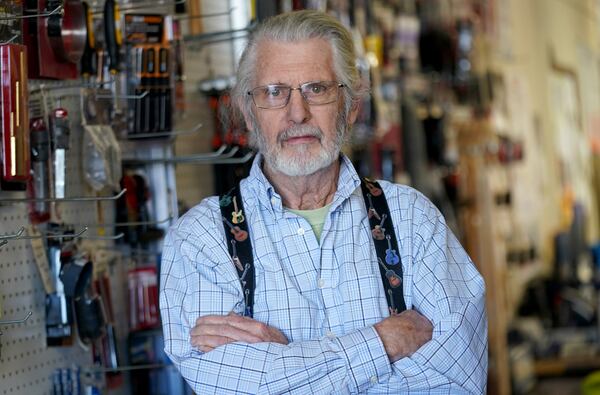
point(353, 112)
point(247, 120)
point(247, 117)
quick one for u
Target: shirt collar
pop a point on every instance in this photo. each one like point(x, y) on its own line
point(348, 182)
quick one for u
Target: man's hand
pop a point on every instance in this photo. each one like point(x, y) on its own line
point(403, 334)
point(212, 331)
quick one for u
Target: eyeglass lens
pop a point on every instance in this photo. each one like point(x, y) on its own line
point(273, 96)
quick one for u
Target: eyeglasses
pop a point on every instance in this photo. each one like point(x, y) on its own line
point(278, 95)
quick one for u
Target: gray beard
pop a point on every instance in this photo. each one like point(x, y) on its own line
point(300, 161)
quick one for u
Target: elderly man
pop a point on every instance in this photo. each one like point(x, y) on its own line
point(308, 305)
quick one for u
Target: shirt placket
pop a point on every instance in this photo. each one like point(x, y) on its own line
point(328, 284)
point(321, 288)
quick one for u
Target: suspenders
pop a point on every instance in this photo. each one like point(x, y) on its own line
point(382, 231)
point(239, 244)
point(386, 245)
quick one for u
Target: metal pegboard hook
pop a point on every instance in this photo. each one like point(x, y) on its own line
point(13, 38)
point(205, 43)
point(128, 368)
point(214, 35)
point(131, 223)
point(144, 4)
point(133, 97)
point(16, 322)
point(201, 16)
point(86, 85)
point(234, 161)
point(51, 235)
point(208, 157)
point(68, 199)
point(57, 10)
point(165, 134)
point(115, 237)
point(12, 236)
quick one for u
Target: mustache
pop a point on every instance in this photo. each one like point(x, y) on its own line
point(299, 131)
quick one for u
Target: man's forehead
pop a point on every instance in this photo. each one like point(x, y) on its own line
point(294, 62)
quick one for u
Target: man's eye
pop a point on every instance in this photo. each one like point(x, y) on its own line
point(317, 89)
point(273, 92)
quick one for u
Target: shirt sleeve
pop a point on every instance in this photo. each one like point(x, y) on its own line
point(447, 289)
point(194, 283)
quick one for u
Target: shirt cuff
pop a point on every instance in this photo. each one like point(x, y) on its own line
point(366, 357)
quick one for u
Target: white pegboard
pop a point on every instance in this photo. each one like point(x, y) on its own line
point(26, 363)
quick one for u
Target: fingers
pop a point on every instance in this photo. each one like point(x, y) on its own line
point(209, 342)
point(231, 328)
point(254, 328)
point(225, 330)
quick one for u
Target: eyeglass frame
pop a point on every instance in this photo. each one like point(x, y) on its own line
point(299, 88)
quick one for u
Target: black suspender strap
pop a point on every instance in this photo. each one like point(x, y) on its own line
point(382, 231)
point(386, 245)
point(238, 243)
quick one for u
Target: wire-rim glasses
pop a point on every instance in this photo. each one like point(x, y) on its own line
point(278, 95)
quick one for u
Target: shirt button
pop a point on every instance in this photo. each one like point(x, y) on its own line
point(300, 231)
point(273, 201)
point(321, 283)
point(373, 379)
point(330, 335)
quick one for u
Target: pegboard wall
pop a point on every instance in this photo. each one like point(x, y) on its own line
point(26, 363)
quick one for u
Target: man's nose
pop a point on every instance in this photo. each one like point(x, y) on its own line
point(298, 108)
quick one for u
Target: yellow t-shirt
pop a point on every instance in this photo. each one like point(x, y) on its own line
point(316, 218)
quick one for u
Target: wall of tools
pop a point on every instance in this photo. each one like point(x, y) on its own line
point(93, 106)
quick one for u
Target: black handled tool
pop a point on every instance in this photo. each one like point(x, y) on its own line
point(113, 35)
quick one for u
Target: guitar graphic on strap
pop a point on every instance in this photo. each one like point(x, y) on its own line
point(393, 310)
point(236, 215)
point(378, 231)
point(391, 256)
point(225, 201)
point(243, 275)
point(238, 233)
point(372, 188)
point(235, 258)
point(394, 280)
point(372, 212)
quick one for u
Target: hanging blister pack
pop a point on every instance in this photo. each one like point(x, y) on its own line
point(101, 157)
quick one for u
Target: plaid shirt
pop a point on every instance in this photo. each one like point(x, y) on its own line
point(325, 296)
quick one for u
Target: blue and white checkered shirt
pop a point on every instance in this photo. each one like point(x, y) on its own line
point(325, 296)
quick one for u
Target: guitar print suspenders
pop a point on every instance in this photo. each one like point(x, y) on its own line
point(239, 244)
point(386, 245)
point(382, 231)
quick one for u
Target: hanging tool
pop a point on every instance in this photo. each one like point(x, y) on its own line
point(112, 34)
point(89, 59)
point(149, 110)
point(60, 132)
point(66, 30)
point(40, 183)
point(165, 90)
point(108, 345)
point(14, 113)
point(58, 315)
